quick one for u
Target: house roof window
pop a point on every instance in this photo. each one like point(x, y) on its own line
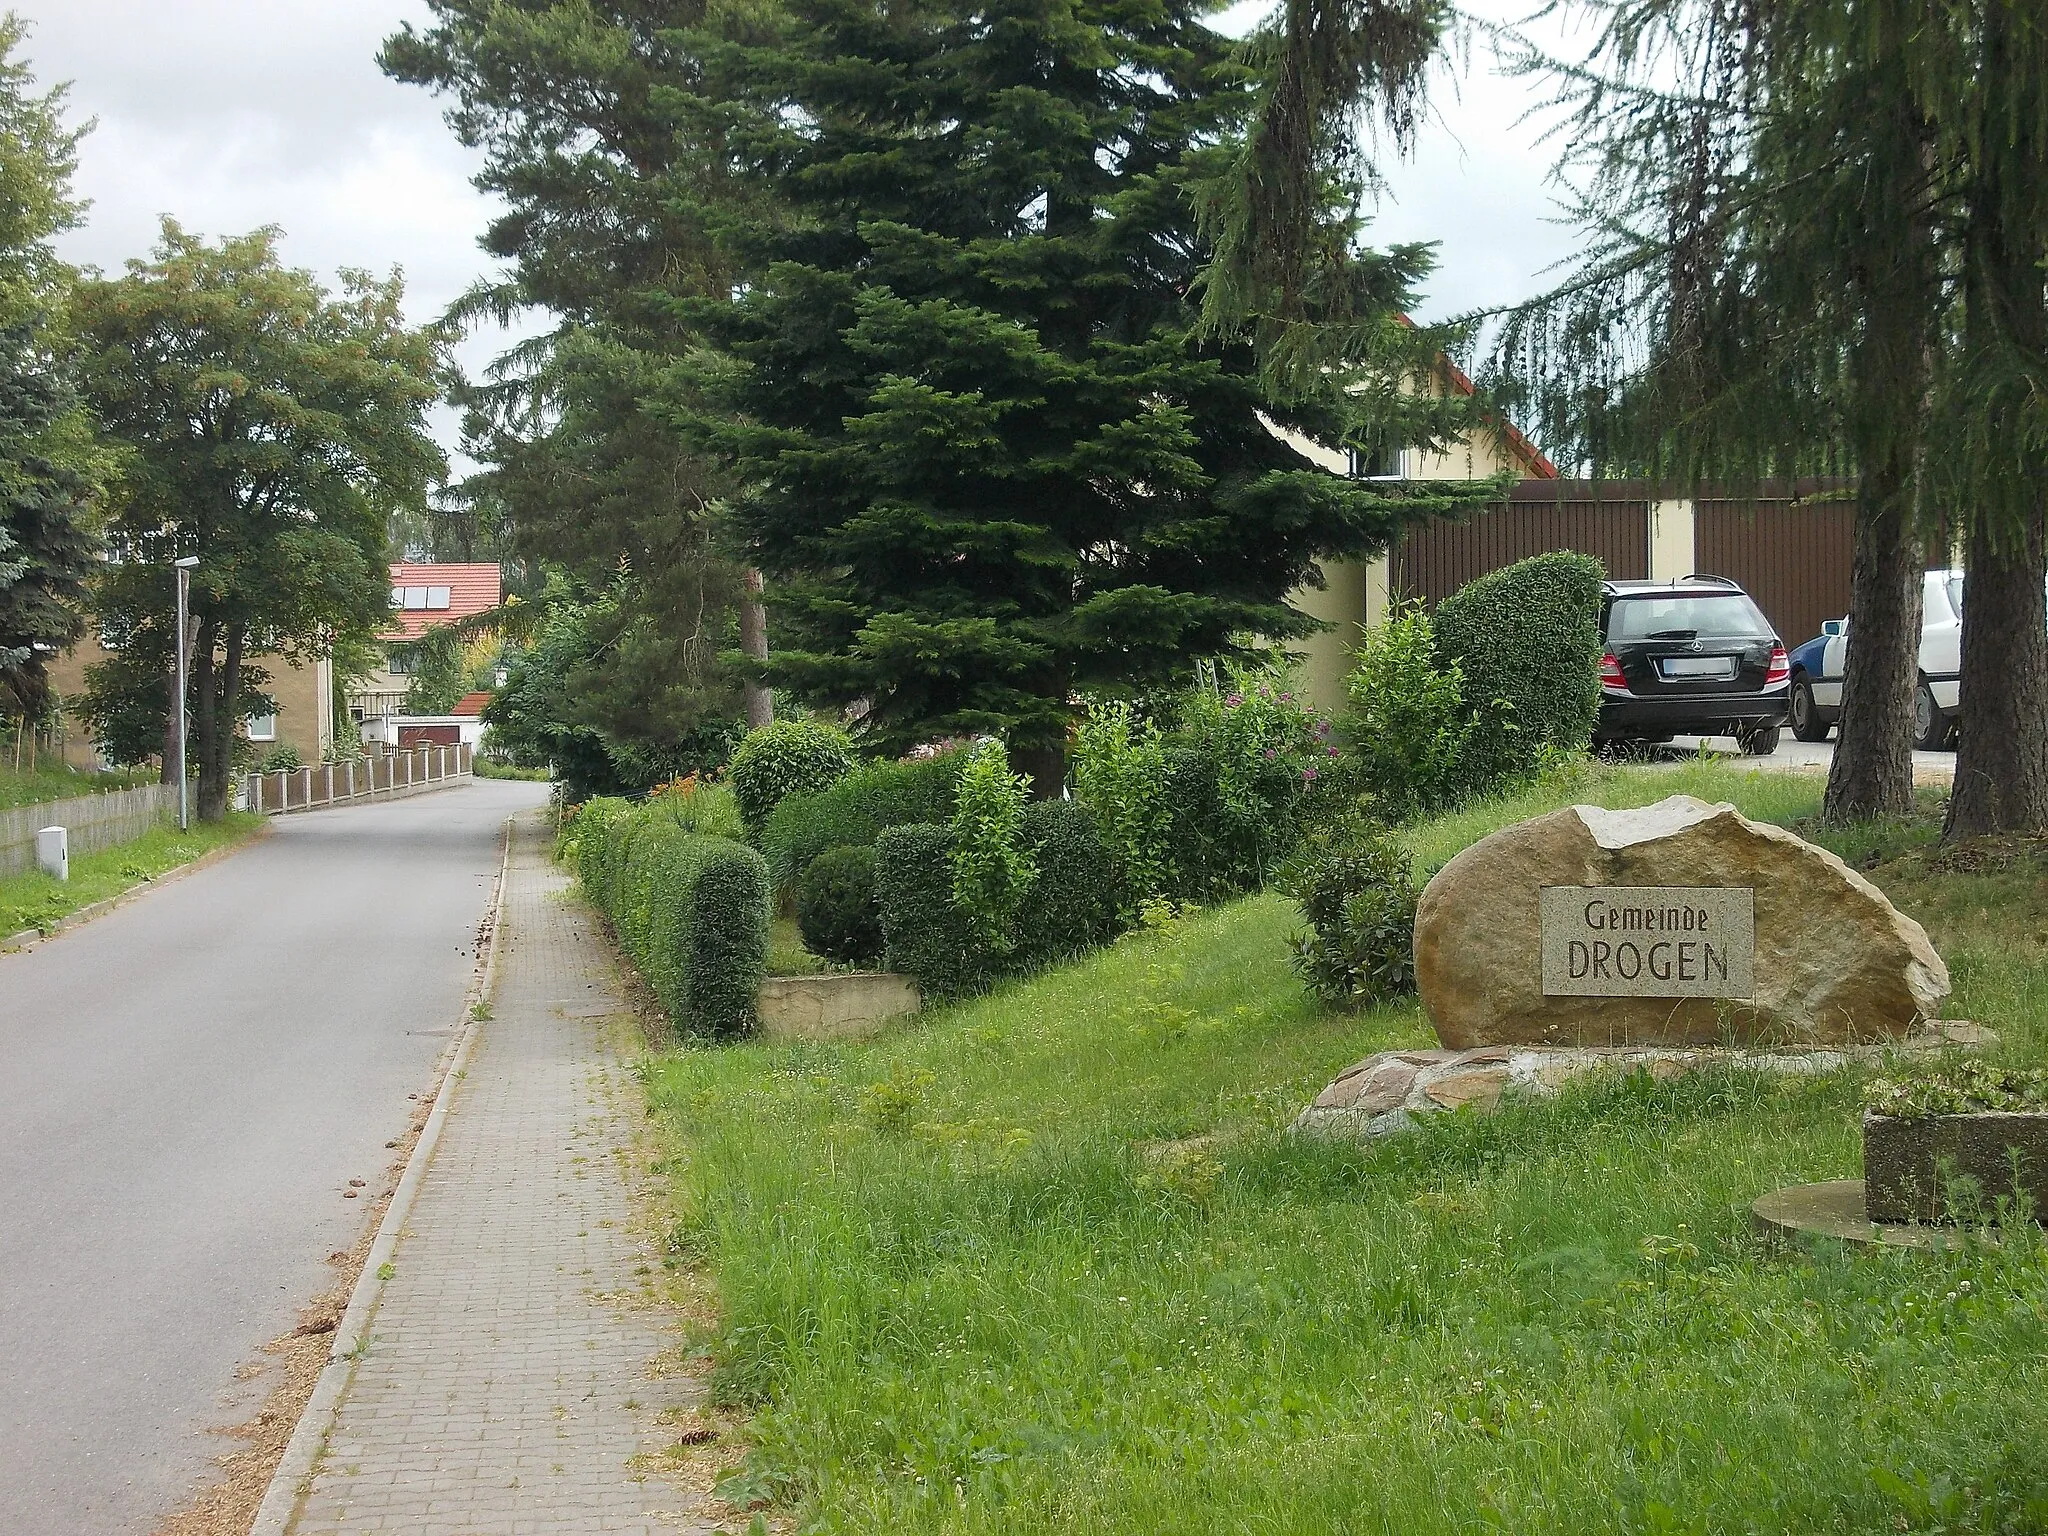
point(420, 597)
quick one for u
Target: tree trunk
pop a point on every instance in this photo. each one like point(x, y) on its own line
point(204, 712)
point(217, 764)
point(1046, 763)
point(754, 644)
point(2001, 782)
point(1872, 771)
point(2002, 760)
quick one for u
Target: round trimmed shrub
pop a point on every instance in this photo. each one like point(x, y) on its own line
point(1526, 639)
point(789, 757)
point(836, 909)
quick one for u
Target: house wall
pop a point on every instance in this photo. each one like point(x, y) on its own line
point(303, 694)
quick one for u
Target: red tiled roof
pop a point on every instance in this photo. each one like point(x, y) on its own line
point(1532, 459)
point(472, 589)
point(470, 705)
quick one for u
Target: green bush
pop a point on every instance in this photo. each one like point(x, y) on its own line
point(1405, 727)
point(284, 757)
point(992, 869)
point(1527, 642)
point(789, 757)
point(926, 936)
point(585, 843)
point(1354, 885)
point(1076, 902)
point(836, 910)
point(690, 910)
point(1119, 771)
point(854, 812)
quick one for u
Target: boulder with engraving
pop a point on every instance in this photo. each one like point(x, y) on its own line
point(1680, 923)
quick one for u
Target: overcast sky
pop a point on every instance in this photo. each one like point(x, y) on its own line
point(230, 114)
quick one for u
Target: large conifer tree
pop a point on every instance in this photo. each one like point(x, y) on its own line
point(990, 462)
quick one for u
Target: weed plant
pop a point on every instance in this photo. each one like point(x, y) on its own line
point(1048, 1261)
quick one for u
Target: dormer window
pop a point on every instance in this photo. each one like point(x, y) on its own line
point(414, 599)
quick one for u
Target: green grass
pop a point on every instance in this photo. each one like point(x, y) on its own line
point(1045, 1262)
point(20, 787)
point(484, 768)
point(35, 900)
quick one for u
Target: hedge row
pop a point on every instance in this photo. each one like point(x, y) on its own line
point(690, 910)
point(1071, 908)
point(854, 812)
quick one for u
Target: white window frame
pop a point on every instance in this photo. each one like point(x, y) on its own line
point(262, 727)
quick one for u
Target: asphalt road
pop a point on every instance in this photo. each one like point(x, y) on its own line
point(1796, 756)
point(186, 1087)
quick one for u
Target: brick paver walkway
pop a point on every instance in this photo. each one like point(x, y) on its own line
point(507, 1385)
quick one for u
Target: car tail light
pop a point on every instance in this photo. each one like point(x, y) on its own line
point(1781, 667)
point(1610, 673)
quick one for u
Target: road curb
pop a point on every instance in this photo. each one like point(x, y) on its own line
point(141, 888)
point(294, 1474)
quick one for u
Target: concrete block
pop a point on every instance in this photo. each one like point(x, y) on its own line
point(834, 1007)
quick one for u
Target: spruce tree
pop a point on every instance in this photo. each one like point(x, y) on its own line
point(990, 461)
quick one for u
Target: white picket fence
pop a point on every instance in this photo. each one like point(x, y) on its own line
point(93, 821)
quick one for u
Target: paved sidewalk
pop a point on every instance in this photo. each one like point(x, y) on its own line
point(507, 1384)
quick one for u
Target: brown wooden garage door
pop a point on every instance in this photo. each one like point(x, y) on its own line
point(1793, 558)
point(1434, 561)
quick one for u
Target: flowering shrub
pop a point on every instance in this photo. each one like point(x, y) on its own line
point(1266, 752)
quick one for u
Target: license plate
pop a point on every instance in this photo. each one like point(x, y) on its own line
point(1698, 666)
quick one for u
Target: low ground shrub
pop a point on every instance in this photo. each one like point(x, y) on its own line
point(1526, 640)
point(1355, 887)
point(854, 812)
point(788, 757)
point(836, 910)
point(690, 910)
point(284, 757)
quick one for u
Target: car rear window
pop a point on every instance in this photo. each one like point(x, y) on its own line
point(1682, 617)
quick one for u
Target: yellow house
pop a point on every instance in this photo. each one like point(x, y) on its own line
point(1359, 592)
point(304, 693)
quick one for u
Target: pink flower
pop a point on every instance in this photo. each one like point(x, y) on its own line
point(1329, 751)
point(1233, 701)
point(1271, 754)
point(1308, 775)
point(1286, 698)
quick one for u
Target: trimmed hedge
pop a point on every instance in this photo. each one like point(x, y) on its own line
point(835, 907)
point(924, 934)
point(690, 910)
point(854, 812)
point(1528, 640)
point(1071, 907)
point(787, 757)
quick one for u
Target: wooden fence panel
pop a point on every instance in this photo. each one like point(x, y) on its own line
point(1792, 558)
point(1434, 561)
point(94, 822)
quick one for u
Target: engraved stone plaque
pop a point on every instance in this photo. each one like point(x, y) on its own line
point(1648, 941)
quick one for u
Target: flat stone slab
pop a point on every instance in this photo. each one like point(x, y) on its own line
point(1834, 1210)
point(1385, 1093)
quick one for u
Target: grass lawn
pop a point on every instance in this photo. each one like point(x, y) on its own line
point(34, 900)
point(1045, 1262)
point(20, 787)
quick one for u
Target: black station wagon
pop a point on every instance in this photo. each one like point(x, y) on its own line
point(1694, 657)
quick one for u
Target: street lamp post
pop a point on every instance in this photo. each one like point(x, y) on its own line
point(184, 569)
